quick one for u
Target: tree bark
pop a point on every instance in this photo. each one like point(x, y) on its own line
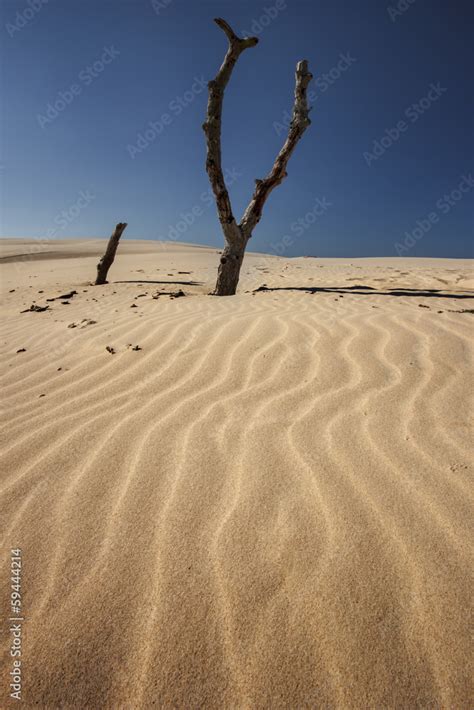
point(237, 235)
point(229, 270)
point(108, 259)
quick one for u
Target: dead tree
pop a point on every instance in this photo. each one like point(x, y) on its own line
point(108, 259)
point(237, 235)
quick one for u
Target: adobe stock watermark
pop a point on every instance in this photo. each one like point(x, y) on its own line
point(301, 225)
point(175, 108)
point(85, 78)
point(66, 216)
point(269, 14)
point(190, 216)
point(411, 115)
point(16, 620)
point(443, 206)
point(61, 220)
point(160, 5)
point(322, 84)
point(400, 9)
point(25, 16)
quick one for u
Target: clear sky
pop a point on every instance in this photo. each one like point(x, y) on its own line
point(103, 102)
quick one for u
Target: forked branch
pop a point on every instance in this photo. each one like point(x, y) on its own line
point(237, 235)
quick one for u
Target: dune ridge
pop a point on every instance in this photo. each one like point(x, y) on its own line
point(268, 505)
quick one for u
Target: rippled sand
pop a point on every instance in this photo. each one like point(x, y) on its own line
point(267, 506)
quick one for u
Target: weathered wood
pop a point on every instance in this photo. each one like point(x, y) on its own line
point(299, 123)
point(237, 235)
point(108, 259)
point(229, 269)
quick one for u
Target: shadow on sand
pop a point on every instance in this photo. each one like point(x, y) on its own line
point(171, 283)
point(366, 290)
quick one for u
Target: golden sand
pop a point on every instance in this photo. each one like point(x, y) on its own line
point(268, 505)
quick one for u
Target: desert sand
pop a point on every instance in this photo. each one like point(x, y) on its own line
point(266, 504)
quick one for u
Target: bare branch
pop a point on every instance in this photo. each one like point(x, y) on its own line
point(231, 36)
point(299, 123)
point(241, 42)
point(212, 125)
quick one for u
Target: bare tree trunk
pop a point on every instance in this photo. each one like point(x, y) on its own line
point(108, 259)
point(229, 270)
point(237, 235)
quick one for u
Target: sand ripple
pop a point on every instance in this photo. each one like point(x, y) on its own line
point(268, 506)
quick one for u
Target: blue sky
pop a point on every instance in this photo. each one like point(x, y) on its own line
point(103, 103)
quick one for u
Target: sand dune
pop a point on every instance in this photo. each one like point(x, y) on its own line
point(269, 505)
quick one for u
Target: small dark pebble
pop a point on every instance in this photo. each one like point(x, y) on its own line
point(21, 350)
point(110, 350)
point(42, 395)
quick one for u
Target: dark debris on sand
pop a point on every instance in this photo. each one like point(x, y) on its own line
point(35, 309)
